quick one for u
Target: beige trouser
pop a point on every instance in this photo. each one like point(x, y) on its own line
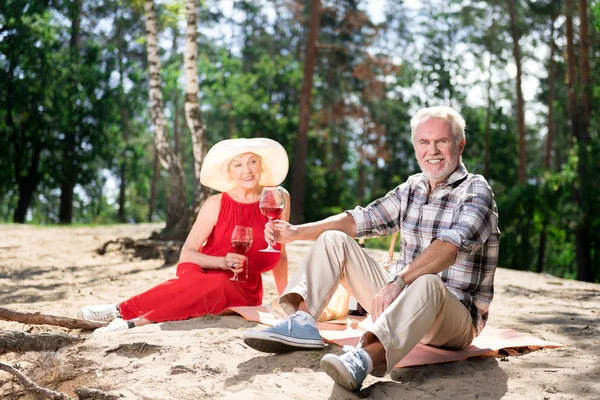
point(425, 310)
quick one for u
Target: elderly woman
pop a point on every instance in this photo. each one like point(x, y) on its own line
point(239, 168)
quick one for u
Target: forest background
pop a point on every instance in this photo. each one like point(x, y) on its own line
point(107, 108)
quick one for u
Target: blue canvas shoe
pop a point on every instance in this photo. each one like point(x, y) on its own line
point(348, 370)
point(288, 335)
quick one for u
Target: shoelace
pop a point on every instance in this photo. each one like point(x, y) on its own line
point(105, 313)
point(288, 320)
point(102, 314)
point(353, 359)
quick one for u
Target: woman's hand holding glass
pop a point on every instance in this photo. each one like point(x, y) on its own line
point(272, 203)
point(233, 262)
point(241, 241)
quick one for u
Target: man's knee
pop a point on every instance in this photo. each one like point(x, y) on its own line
point(427, 282)
point(332, 238)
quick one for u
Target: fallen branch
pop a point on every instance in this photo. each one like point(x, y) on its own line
point(144, 248)
point(122, 243)
point(9, 247)
point(20, 342)
point(45, 319)
point(32, 386)
point(94, 394)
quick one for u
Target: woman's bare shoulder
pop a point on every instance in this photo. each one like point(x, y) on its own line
point(212, 205)
point(215, 198)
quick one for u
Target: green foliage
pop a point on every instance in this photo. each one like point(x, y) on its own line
point(595, 13)
point(79, 116)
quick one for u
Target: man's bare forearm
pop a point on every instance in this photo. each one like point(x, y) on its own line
point(340, 222)
point(434, 259)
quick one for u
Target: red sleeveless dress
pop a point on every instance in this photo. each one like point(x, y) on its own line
point(197, 291)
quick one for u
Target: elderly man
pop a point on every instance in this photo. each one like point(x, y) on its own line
point(439, 291)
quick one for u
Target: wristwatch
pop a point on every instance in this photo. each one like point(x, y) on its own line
point(399, 281)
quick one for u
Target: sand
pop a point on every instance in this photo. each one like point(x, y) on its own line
point(55, 271)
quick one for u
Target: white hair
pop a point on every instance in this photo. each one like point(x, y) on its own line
point(455, 120)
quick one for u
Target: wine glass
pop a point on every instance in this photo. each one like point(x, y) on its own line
point(271, 206)
point(241, 241)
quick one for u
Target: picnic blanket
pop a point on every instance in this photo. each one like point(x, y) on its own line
point(347, 331)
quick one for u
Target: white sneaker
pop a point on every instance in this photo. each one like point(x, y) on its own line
point(117, 324)
point(101, 313)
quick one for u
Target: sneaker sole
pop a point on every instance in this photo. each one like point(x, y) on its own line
point(273, 343)
point(335, 368)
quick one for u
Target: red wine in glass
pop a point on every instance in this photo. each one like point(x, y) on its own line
point(271, 212)
point(272, 202)
point(241, 247)
point(241, 241)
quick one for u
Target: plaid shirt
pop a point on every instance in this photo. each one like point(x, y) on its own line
point(461, 211)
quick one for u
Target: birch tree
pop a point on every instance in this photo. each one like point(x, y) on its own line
point(176, 203)
point(193, 116)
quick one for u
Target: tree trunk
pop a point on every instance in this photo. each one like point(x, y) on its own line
point(65, 211)
point(584, 257)
point(551, 80)
point(582, 230)
point(515, 34)
point(153, 184)
point(26, 187)
point(177, 210)
point(176, 135)
point(123, 168)
point(488, 123)
point(124, 116)
point(584, 68)
point(299, 164)
point(27, 184)
point(362, 168)
point(176, 109)
point(69, 172)
point(550, 127)
point(193, 116)
point(571, 78)
point(522, 170)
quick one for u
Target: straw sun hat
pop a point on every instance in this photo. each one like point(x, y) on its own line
point(215, 168)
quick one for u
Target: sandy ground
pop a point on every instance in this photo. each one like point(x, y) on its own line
point(54, 270)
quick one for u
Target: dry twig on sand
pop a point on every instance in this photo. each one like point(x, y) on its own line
point(45, 319)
